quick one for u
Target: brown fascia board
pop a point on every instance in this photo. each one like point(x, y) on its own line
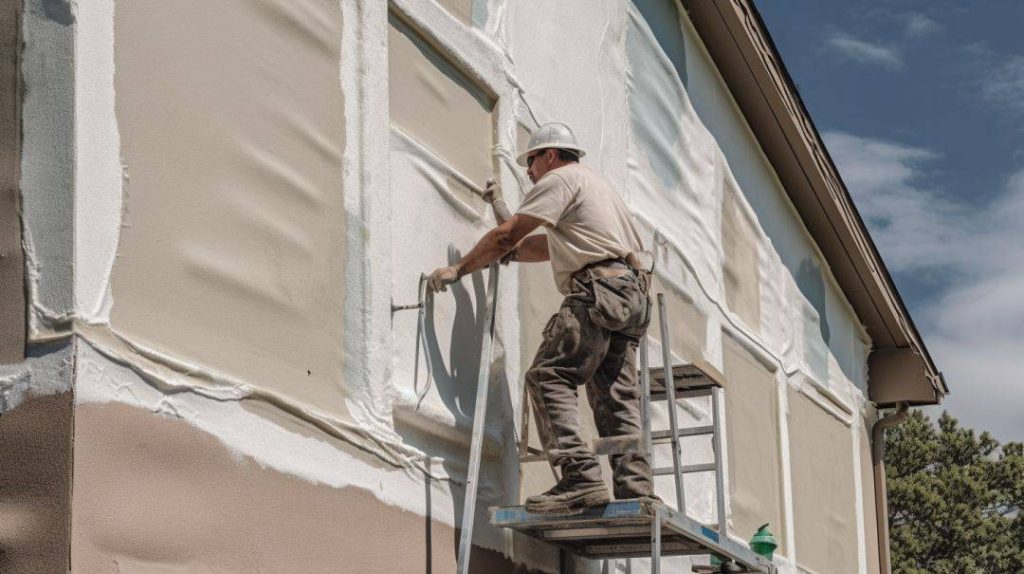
point(738, 41)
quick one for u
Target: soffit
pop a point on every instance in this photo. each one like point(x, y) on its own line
point(748, 61)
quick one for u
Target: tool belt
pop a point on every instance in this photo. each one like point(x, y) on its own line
point(615, 267)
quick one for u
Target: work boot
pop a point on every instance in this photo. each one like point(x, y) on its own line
point(651, 497)
point(569, 497)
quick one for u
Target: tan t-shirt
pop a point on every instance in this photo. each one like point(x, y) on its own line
point(586, 220)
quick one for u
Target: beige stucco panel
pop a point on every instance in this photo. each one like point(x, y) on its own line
point(687, 327)
point(740, 271)
point(436, 104)
point(824, 508)
point(755, 478)
point(867, 480)
point(152, 494)
point(35, 484)
point(232, 252)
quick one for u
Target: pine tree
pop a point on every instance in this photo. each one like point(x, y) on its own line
point(955, 499)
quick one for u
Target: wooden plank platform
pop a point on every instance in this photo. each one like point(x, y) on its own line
point(689, 377)
point(622, 529)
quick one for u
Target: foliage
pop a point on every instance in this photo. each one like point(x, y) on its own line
point(955, 499)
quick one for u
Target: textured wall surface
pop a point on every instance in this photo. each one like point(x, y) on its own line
point(234, 216)
point(187, 504)
point(12, 259)
point(825, 510)
point(755, 468)
point(35, 485)
point(256, 183)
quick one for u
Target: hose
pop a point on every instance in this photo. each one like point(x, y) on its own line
point(421, 335)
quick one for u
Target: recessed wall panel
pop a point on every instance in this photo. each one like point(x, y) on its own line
point(232, 252)
point(824, 505)
point(740, 273)
point(687, 326)
point(432, 101)
point(867, 481)
point(755, 483)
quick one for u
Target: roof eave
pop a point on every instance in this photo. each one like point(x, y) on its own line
point(738, 42)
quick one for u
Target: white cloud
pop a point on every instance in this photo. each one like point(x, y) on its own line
point(911, 228)
point(919, 25)
point(975, 327)
point(864, 52)
point(1003, 84)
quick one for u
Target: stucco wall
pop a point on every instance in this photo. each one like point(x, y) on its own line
point(256, 185)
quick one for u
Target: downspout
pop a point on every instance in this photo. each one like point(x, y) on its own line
point(881, 498)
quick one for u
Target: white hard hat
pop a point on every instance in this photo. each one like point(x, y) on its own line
point(553, 135)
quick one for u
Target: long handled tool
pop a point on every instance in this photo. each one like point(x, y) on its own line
point(479, 415)
point(480, 411)
point(483, 381)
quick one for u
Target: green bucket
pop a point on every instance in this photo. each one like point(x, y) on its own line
point(763, 542)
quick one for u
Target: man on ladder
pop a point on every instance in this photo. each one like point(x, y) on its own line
point(595, 253)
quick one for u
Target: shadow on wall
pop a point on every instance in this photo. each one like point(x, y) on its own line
point(58, 11)
point(811, 283)
point(456, 375)
point(810, 280)
point(456, 378)
point(666, 24)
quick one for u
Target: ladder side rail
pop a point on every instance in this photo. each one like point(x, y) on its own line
point(670, 390)
point(716, 437)
point(523, 444)
point(656, 542)
point(645, 402)
point(480, 412)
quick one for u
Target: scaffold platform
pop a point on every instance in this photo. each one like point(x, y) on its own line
point(638, 528)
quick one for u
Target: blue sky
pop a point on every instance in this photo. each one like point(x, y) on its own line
point(921, 104)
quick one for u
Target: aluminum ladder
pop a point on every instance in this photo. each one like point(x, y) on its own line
point(480, 409)
point(642, 527)
point(479, 417)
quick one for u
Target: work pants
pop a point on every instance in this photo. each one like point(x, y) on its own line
point(592, 340)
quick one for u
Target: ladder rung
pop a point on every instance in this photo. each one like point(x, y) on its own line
point(619, 445)
point(616, 445)
point(687, 469)
point(533, 455)
point(664, 436)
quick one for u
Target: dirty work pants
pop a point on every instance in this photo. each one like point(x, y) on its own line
point(592, 340)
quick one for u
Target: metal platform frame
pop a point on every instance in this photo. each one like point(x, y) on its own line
point(639, 528)
point(646, 528)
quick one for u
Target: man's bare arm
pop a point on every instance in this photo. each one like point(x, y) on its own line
point(498, 242)
point(533, 249)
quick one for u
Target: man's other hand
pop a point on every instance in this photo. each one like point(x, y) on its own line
point(441, 278)
point(491, 192)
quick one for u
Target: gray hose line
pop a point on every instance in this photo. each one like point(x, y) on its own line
point(421, 335)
